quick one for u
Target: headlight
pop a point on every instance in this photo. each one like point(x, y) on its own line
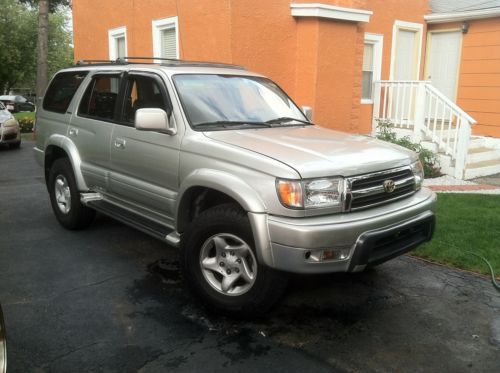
point(315, 193)
point(418, 172)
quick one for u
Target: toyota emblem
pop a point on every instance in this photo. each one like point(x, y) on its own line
point(389, 186)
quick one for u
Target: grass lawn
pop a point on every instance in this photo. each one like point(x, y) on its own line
point(24, 114)
point(466, 222)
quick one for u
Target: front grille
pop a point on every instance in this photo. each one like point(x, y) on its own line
point(368, 190)
point(10, 136)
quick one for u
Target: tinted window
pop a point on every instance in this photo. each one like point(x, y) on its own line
point(142, 92)
point(99, 100)
point(62, 89)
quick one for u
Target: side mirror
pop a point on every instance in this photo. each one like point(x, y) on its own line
point(308, 112)
point(153, 119)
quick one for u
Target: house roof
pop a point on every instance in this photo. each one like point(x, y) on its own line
point(462, 10)
point(453, 6)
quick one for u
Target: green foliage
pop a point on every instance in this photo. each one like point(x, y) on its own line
point(18, 34)
point(428, 158)
point(18, 38)
point(26, 121)
point(26, 124)
point(465, 222)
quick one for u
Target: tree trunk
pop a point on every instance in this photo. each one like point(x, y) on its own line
point(42, 48)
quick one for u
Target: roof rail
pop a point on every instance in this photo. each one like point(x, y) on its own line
point(90, 62)
point(154, 60)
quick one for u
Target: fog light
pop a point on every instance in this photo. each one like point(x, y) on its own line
point(325, 255)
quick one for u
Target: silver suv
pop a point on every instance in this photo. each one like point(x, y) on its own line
point(220, 162)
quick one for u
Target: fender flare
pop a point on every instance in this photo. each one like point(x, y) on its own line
point(223, 182)
point(70, 149)
point(241, 192)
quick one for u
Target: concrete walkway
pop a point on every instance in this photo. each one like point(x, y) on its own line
point(448, 184)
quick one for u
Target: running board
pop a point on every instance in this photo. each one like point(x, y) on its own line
point(134, 220)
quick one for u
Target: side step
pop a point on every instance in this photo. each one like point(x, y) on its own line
point(134, 220)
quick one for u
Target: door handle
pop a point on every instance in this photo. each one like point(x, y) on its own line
point(73, 132)
point(120, 143)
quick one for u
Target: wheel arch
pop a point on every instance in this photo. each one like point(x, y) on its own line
point(59, 146)
point(211, 187)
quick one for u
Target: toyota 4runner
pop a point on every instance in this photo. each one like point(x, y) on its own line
point(220, 162)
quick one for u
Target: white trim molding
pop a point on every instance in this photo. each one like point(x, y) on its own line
point(404, 25)
point(462, 16)
point(330, 11)
point(377, 40)
point(159, 25)
point(113, 34)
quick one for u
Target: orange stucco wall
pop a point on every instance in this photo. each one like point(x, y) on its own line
point(317, 61)
point(478, 91)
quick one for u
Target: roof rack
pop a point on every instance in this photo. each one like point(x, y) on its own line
point(100, 62)
point(154, 60)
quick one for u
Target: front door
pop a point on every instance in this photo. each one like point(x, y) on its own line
point(144, 165)
point(404, 68)
point(443, 61)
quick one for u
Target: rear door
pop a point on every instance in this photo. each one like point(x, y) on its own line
point(144, 165)
point(91, 127)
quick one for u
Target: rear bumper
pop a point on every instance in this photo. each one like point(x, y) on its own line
point(371, 236)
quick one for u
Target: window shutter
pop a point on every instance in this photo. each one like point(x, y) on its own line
point(168, 43)
point(120, 46)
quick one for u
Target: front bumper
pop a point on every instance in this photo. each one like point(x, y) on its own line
point(10, 134)
point(372, 236)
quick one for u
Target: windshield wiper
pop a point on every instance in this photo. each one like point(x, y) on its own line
point(286, 119)
point(230, 123)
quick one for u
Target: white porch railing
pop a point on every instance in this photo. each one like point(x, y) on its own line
point(418, 106)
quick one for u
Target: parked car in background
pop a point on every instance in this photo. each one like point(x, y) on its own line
point(16, 103)
point(10, 132)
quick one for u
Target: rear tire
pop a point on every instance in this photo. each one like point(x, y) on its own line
point(65, 197)
point(220, 265)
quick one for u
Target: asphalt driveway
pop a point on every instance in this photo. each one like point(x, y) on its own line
point(111, 299)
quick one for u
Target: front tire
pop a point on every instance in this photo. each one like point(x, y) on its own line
point(220, 264)
point(65, 197)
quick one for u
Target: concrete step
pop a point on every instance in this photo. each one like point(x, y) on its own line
point(482, 154)
point(483, 168)
point(446, 164)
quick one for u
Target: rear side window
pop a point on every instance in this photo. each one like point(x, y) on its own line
point(62, 89)
point(99, 100)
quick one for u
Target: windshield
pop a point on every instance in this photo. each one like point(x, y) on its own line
point(222, 100)
point(2, 107)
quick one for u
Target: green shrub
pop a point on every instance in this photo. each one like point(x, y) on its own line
point(26, 124)
point(428, 158)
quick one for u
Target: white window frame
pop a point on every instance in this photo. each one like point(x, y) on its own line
point(158, 26)
point(404, 25)
point(377, 41)
point(114, 34)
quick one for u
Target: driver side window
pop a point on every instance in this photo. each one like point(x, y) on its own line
point(142, 92)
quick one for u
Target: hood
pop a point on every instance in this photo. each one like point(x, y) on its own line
point(5, 115)
point(314, 151)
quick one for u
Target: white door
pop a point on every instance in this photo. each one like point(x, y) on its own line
point(443, 61)
point(405, 67)
point(406, 59)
